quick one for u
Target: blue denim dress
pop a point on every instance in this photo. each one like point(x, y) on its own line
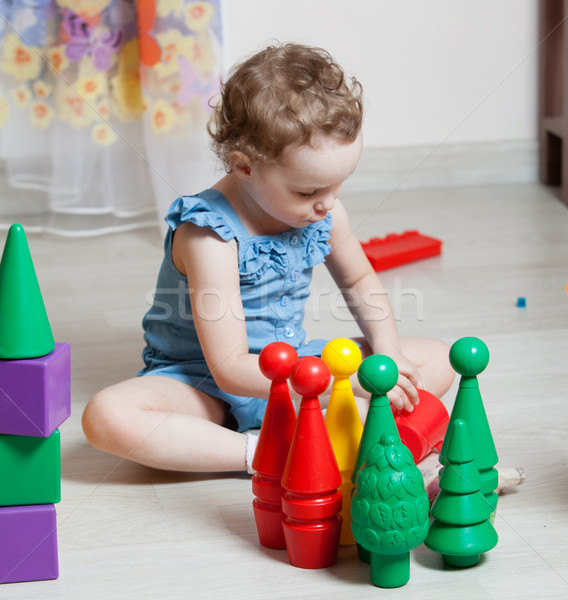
point(275, 273)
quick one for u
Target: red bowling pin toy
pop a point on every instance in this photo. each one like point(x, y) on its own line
point(275, 361)
point(311, 476)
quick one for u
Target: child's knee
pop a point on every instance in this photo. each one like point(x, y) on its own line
point(101, 420)
point(444, 357)
point(440, 366)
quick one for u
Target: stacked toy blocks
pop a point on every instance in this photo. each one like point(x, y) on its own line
point(35, 399)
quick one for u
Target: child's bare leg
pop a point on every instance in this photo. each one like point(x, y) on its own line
point(164, 423)
point(431, 356)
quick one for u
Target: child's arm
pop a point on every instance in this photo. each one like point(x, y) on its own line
point(211, 267)
point(368, 301)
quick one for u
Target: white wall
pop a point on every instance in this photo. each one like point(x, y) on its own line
point(432, 70)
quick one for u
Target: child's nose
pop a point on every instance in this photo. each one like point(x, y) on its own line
point(327, 202)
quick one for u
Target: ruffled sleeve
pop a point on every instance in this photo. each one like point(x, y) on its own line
point(193, 209)
point(315, 239)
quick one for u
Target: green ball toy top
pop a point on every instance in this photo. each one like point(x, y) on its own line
point(378, 374)
point(469, 356)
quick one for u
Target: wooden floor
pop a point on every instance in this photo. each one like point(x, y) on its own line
point(128, 532)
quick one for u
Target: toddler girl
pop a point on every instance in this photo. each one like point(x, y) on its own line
point(237, 268)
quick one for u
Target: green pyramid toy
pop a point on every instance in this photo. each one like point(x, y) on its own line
point(469, 356)
point(461, 529)
point(24, 327)
point(377, 375)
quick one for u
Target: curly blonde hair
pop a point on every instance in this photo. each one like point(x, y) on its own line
point(281, 96)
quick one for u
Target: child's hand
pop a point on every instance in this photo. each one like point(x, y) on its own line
point(404, 395)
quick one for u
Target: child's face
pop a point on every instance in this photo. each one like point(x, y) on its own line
point(304, 186)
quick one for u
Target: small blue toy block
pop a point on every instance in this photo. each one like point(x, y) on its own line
point(30, 470)
point(521, 302)
point(35, 393)
point(28, 543)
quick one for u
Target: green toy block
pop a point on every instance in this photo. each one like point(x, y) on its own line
point(30, 469)
point(24, 327)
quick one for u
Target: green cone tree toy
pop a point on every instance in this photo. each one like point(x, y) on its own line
point(24, 327)
point(389, 511)
point(377, 374)
point(469, 356)
point(461, 529)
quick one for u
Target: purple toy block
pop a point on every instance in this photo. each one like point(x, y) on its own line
point(35, 393)
point(28, 543)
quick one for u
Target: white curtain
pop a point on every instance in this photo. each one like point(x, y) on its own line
point(103, 107)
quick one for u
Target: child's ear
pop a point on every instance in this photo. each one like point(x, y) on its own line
point(241, 165)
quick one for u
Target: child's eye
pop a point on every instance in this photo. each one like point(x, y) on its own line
point(307, 194)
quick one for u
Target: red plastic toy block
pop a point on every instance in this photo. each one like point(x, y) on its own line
point(311, 476)
point(275, 361)
point(399, 248)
